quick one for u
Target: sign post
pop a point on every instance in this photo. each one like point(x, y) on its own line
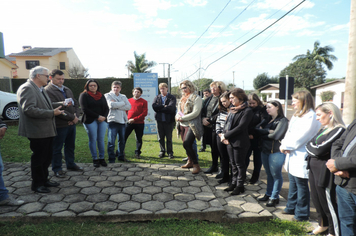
point(148, 82)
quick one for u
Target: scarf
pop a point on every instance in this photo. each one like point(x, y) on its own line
point(96, 96)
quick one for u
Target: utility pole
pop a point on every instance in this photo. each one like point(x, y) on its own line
point(349, 111)
point(164, 69)
point(233, 79)
point(169, 74)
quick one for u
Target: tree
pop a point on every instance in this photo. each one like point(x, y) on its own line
point(141, 65)
point(306, 73)
point(202, 83)
point(319, 54)
point(230, 86)
point(261, 80)
point(78, 72)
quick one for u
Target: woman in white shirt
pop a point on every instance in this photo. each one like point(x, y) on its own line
point(302, 127)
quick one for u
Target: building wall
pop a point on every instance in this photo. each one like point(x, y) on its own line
point(69, 58)
point(5, 71)
point(338, 88)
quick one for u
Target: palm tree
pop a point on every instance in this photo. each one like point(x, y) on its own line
point(320, 54)
point(141, 65)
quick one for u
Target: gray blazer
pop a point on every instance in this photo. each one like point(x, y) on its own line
point(36, 112)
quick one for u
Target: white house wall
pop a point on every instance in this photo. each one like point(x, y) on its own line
point(338, 88)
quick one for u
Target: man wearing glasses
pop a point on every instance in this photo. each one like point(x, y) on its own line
point(38, 125)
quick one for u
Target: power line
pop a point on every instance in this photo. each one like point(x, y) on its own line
point(227, 45)
point(250, 53)
point(213, 39)
point(250, 38)
point(203, 32)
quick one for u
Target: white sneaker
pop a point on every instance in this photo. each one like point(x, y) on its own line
point(11, 202)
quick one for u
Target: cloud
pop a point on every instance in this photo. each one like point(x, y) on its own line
point(151, 7)
point(340, 27)
point(276, 4)
point(290, 24)
point(158, 23)
point(196, 3)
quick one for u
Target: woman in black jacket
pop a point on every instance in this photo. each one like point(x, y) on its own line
point(259, 114)
point(235, 136)
point(272, 159)
point(322, 187)
point(95, 110)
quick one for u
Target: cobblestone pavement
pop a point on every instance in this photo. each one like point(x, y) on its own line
point(133, 192)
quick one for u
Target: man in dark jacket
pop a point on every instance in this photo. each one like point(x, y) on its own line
point(343, 165)
point(164, 105)
point(65, 124)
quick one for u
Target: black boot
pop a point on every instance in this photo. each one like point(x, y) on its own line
point(211, 170)
point(223, 180)
point(272, 202)
point(96, 163)
point(238, 190)
point(263, 199)
point(230, 188)
point(220, 175)
point(102, 162)
point(254, 178)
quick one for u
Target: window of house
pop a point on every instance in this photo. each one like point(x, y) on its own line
point(31, 64)
point(62, 65)
point(277, 95)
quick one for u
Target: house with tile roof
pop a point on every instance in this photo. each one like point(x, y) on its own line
point(52, 58)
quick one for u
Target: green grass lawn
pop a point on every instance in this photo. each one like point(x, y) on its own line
point(17, 149)
point(164, 227)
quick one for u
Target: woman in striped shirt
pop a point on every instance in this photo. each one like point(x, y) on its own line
point(224, 105)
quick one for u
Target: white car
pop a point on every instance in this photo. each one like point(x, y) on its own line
point(8, 106)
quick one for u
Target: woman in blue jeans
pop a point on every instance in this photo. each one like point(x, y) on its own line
point(95, 110)
point(302, 127)
point(272, 159)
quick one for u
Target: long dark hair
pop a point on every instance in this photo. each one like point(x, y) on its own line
point(86, 86)
point(280, 108)
point(226, 96)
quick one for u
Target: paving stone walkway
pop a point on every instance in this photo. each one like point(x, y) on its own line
point(133, 192)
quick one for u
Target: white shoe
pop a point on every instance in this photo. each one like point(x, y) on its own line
point(11, 202)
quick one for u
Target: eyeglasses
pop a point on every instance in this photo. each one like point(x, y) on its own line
point(184, 88)
point(92, 85)
point(45, 75)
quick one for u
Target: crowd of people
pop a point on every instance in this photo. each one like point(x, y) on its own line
point(316, 149)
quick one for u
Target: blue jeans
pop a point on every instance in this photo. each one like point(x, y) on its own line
point(298, 198)
point(3, 191)
point(116, 129)
point(346, 202)
point(96, 133)
point(273, 163)
point(65, 135)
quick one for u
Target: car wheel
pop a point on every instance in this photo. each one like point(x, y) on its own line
point(11, 112)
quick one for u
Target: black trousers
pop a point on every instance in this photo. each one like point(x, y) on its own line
point(237, 159)
point(257, 159)
point(139, 133)
point(224, 156)
point(164, 130)
point(41, 159)
point(318, 195)
point(188, 138)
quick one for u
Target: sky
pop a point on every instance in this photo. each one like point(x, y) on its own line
point(221, 40)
